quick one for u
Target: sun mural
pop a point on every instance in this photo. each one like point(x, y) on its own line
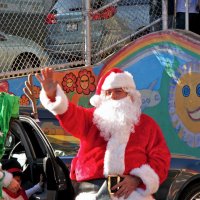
point(184, 103)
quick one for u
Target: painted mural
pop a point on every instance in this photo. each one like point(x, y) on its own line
point(166, 69)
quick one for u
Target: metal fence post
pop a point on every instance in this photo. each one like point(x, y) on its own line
point(186, 15)
point(164, 14)
point(87, 33)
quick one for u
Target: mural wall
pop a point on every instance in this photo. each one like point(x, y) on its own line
point(166, 69)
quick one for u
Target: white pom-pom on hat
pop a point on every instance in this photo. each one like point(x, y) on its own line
point(115, 78)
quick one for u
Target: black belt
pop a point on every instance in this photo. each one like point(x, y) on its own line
point(100, 186)
point(111, 181)
point(91, 185)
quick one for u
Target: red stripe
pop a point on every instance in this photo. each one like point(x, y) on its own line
point(11, 170)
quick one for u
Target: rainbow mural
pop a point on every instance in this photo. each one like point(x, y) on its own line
point(166, 69)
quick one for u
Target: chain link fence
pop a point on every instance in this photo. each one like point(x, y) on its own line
point(66, 33)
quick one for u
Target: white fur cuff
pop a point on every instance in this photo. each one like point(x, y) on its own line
point(149, 178)
point(86, 196)
point(134, 195)
point(59, 106)
point(7, 179)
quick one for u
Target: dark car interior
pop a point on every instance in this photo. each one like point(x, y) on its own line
point(28, 152)
point(25, 143)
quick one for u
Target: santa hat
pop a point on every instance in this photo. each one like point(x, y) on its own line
point(115, 78)
point(13, 166)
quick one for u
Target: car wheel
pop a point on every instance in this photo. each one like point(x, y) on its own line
point(191, 193)
point(26, 61)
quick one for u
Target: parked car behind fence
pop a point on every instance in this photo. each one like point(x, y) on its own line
point(18, 53)
point(58, 26)
point(112, 23)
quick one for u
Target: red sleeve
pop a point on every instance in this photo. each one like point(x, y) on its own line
point(76, 120)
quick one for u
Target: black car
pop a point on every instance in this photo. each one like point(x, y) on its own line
point(183, 182)
point(27, 143)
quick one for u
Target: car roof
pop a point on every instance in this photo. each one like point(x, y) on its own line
point(42, 112)
point(67, 5)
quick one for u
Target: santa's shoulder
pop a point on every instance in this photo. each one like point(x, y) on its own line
point(146, 120)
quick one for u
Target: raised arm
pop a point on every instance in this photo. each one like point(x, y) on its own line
point(48, 82)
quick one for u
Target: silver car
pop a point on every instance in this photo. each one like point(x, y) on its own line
point(65, 25)
point(17, 53)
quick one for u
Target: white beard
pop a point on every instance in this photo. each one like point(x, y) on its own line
point(114, 118)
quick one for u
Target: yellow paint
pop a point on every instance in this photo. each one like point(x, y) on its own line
point(65, 138)
point(188, 108)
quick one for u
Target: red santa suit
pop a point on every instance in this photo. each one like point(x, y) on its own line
point(13, 168)
point(8, 195)
point(141, 151)
point(5, 177)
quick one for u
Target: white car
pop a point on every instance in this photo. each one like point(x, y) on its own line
point(17, 53)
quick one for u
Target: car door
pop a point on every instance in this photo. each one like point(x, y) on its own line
point(40, 159)
point(3, 51)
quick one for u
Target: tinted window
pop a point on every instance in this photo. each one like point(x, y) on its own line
point(67, 6)
point(132, 2)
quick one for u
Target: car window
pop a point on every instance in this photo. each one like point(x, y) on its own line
point(67, 5)
point(62, 142)
point(18, 152)
point(36, 141)
point(11, 146)
point(132, 2)
point(63, 6)
point(96, 4)
point(15, 148)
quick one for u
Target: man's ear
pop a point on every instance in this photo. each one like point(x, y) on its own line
point(131, 97)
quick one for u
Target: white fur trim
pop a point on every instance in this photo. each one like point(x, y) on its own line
point(59, 106)
point(7, 179)
point(118, 80)
point(114, 155)
point(95, 100)
point(149, 178)
point(86, 196)
point(135, 195)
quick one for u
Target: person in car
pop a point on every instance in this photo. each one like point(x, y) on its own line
point(117, 142)
point(7, 181)
point(9, 107)
point(13, 166)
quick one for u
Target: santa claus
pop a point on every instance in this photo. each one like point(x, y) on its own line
point(115, 138)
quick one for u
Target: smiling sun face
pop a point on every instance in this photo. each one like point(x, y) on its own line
point(187, 101)
point(184, 103)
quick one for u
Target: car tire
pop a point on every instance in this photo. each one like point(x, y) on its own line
point(26, 61)
point(191, 192)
